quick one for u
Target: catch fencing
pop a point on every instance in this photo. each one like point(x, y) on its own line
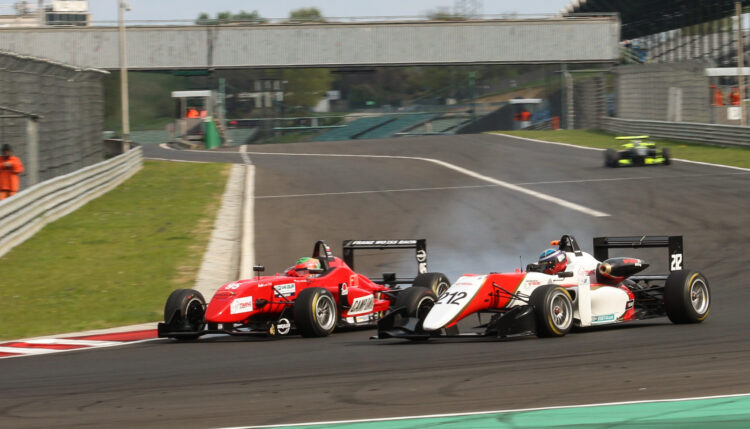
point(66, 105)
point(24, 214)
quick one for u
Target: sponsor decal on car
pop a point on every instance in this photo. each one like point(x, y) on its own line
point(233, 285)
point(382, 242)
point(286, 289)
point(603, 318)
point(363, 304)
point(242, 305)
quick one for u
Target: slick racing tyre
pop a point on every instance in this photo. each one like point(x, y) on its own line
point(665, 155)
point(184, 311)
point(436, 282)
point(554, 310)
point(610, 158)
point(315, 312)
point(417, 300)
point(687, 297)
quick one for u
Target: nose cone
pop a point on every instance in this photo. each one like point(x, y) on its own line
point(453, 302)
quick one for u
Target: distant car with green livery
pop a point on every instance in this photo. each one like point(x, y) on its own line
point(636, 152)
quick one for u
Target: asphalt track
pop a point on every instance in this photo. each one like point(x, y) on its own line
point(470, 225)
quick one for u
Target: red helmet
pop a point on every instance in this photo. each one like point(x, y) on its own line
point(553, 261)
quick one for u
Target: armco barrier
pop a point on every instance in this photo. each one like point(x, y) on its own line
point(24, 214)
point(713, 134)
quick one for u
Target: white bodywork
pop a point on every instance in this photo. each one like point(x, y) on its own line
point(452, 302)
point(605, 304)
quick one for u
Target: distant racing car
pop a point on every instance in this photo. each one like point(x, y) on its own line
point(311, 298)
point(636, 152)
point(567, 288)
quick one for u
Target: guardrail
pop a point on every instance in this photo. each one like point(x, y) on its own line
point(24, 214)
point(713, 134)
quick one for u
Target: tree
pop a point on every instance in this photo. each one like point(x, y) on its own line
point(226, 17)
point(444, 14)
point(306, 15)
point(304, 88)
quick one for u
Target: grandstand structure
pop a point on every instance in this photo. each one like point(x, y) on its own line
point(672, 30)
point(673, 48)
point(376, 127)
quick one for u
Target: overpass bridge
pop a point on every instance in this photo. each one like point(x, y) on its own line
point(507, 41)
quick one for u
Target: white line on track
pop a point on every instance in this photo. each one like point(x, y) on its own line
point(247, 242)
point(324, 194)
point(464, 171)
point(480, 413)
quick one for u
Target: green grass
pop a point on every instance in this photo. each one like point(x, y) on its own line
point(114, 261)
point(734, 156)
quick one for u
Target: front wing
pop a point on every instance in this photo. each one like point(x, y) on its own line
point(518, 321)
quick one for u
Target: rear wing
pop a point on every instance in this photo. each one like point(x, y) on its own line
point(673, 242)
point(420, 245)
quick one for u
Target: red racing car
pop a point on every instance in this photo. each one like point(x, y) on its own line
point(311, 298)
point(566, 288)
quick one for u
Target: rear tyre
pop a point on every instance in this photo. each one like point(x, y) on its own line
point(315, 312)
point(184, 311)
point(436, 282)
point(665, 154)
point(610, 158)
point(553, 308)
point(687, 297)
point(417, 300)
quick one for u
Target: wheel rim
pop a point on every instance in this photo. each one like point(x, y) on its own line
point(424, 306)
point(441, 288)
point(194, 312)
point(699, 296)
point(561, 310)
point(325, 312)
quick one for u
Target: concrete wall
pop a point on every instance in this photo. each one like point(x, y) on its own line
point(643, 92)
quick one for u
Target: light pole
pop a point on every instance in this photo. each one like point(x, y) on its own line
point(125, 105)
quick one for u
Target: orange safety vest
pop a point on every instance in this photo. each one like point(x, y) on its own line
point(9, 173)
point(718, 98)
point(735, 97)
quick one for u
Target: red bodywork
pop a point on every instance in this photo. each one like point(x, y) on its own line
point(266, 297)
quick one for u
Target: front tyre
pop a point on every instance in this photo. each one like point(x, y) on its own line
point(315, 312)
point(436, 282)
point(553, 308)
point(610, 158)
point(417, 300)
point(665, 154)
point(184, 311)
point(687, 297)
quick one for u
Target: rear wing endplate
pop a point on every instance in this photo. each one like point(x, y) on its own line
point(349, 246)
point(673, 242)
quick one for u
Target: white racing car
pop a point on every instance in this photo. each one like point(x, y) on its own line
point(566, 288)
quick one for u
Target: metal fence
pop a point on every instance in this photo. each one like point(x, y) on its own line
point(720, 135)
point(68, 103)
point(25, 213)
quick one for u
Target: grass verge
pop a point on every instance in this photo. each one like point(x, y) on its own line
point(114, 261)
point(734, 156)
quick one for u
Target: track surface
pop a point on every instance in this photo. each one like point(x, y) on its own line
point(470, 226)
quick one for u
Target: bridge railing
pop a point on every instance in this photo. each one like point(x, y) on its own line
point(713, 134)
point(24, 214)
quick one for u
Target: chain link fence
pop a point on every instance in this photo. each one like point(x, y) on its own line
point(67, 104)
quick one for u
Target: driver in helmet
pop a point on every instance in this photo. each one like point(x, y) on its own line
point(552, 261)
point(303, 267)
